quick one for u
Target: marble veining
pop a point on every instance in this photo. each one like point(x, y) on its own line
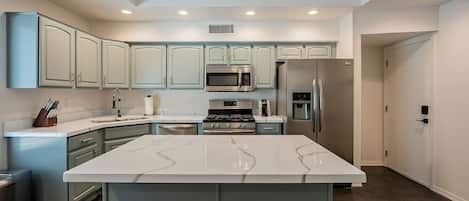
point(217, 159)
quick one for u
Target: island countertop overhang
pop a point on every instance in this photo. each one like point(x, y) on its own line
point(218, 159)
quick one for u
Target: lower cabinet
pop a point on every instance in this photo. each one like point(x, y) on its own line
point(269, 129)
point(117, 136)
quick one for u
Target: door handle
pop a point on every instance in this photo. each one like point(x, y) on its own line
point(315, 107)
point(321, 105)
point(240, 79)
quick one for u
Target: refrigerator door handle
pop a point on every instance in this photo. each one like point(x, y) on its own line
point(321, 105)
point(315, 105)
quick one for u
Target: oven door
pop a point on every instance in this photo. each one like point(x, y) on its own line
point(234, 78)
point(230, 132)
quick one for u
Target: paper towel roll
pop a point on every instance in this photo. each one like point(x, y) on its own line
point(149, 106)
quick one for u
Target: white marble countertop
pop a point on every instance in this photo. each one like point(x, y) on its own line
point(217, 159)
point(270, 119)
point(72, 128)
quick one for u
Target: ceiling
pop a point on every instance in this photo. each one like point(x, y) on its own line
point(151, 10)
point(383, 40)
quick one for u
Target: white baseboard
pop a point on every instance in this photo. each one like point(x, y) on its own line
point(447, 194)
point(372, 163)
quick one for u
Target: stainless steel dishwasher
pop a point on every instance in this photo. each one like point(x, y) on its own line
point(177, 129)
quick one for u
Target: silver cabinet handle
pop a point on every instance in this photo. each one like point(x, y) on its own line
point(86, 140)
point(181, 126)
point(268, 128)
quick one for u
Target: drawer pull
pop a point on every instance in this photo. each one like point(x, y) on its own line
point(86, 140)
point(268, 128)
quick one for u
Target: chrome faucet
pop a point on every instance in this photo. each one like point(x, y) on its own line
point(116, 100)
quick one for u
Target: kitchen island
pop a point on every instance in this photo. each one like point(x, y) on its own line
point(213, 168)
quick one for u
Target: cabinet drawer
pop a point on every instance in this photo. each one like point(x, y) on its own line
point(83, 191)
point(126, 131)
point(269, 129)
point(112, 144)
point(84, 140)
point(81, 156)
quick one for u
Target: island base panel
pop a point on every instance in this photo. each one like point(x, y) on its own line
point(218, 192)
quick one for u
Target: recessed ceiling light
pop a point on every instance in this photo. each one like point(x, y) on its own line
point(127, 12)
point(183, 12)
point(251, 13)
point(313, 12)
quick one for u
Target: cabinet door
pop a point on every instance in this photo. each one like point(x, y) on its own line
point(240, 54)
point(57, 54)
point(216, 54)
point(264, 65)
point(148, 66)
point(115, 64)
point(290, 52)
point(318, 51)
point(186, 66)
point(88, 57)
point(80, 191)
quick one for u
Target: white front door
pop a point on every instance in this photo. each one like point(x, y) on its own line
point(407, 87)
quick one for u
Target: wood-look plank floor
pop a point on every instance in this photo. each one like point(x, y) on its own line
point(386, 185)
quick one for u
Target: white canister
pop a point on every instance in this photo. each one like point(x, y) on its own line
point(149, 105)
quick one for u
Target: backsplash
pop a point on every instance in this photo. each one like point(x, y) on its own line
point(183, 102)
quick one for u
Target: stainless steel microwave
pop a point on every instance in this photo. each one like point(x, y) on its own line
point(230, 78)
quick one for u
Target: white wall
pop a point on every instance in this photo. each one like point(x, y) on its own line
point(24, 104)
point(451, 147)
point(372, 110)
point(376, 21)
point(345, 44)
point(198, 31)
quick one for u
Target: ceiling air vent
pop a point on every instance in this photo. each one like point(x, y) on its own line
point(220, 28)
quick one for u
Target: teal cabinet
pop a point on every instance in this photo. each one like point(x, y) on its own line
point(269, 129)
point(115, 64)
point(318, 51)
point(240, 54)
point(290, 51)
point(264, 65)
point(88, 59)
point(57, 54)
point(216, 54)
point(186, 66)
point(148, 66)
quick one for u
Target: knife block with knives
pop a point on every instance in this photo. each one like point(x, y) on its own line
point(47, 116)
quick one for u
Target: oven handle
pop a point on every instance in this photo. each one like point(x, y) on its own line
point(231, 131)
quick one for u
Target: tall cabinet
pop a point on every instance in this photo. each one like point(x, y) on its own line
point(115, 64)
point(186, 66)
point(148, 66)
point(264, 65)
point(88, 60)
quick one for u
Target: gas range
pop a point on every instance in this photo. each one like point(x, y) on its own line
point(230, 117)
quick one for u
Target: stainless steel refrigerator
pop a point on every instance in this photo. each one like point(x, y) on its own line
point(317, 97)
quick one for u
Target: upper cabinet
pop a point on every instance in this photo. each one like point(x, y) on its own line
point(240, 54)
point(186, 66)
point(115, 64)
point(216, 54)
point(88, 60)
point(290, 52)
point(264, 65)
point(148, 66)
point(57, 54)
point(318, 51)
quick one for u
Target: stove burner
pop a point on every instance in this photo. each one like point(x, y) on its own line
point(229, 118)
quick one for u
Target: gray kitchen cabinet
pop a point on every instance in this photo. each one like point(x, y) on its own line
point(148, 66)
point(186, 66)
point(288, 51)
point(117, 136)
point(115, 64)
point(88, 60)
point(41, 52)
point(318, 51)
point(265, 66)
point(240, 54)
point(216, 54)
point(82, 191)
point(269, 129)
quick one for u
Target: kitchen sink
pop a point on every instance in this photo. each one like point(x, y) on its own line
point(109, 119)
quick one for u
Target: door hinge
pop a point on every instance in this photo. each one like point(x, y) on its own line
point(386, 108)
point(385, 153)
